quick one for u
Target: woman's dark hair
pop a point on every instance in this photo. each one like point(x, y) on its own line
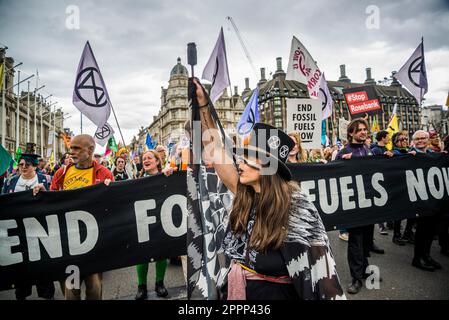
point(272, 207)
point(115, 161)
point(381, 134)
point(61, 161)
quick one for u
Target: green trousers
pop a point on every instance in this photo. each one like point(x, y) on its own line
point(142, 271)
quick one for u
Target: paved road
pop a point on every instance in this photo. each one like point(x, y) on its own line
point(400, 279)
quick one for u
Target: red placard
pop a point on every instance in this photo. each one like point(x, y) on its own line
point(361, 102)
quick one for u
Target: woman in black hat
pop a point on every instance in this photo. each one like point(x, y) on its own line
point(275, 240)
point(26, 180)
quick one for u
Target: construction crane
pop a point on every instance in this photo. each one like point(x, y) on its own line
point(242, 43)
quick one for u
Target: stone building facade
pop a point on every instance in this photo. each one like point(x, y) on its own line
point(167, 126)
point(29, 105)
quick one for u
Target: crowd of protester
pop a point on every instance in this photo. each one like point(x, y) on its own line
point(37, 174)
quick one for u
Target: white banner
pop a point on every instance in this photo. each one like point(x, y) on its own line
point(304, 116)
point(302, 68)
point(342, 128)
point(51, 136)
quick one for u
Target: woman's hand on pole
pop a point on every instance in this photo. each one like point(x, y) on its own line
point(201, 98)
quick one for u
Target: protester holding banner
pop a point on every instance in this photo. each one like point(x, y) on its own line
point(426, 227)
point(379, 147)
point(401, 147)
point(83, 172)
point(298, 154)
point(27, 180)
point(360, 241)
point(152, 165)
point(444, 227)
point(435, 143)
point(275, 235)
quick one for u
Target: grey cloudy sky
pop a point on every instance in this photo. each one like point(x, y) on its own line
point(137, 42)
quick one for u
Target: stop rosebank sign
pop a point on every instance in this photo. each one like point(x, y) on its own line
point(362, 100)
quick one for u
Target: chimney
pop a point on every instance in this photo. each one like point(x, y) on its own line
point(262, 76)
point(395, 82)
point(247, 90)
point(236, 91)
point(369, 80)
point(279, 72)
point(343, 76)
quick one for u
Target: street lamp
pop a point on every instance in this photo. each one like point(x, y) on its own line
point(42, 130)
point(35, 112)
point(18, 106)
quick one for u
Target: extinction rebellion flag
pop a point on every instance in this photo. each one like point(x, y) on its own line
point(103, 134)
point(90, 95)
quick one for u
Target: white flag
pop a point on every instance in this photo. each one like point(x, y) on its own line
point(413, 74)
point(51, 136)
point(90, 95)
point(302, 68)
point(216, 69)
point(326, 98)
point(103, 134)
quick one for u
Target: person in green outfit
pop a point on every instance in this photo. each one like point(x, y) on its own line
point(152, 165)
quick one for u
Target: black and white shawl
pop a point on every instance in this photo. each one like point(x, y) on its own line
point(306, 252)
point(308, 255)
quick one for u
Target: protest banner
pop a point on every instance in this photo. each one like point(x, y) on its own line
point(304, 116)
point(361, 100)
point(101, 228)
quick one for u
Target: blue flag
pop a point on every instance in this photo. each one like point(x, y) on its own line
point(250, 116)
point(149, 142)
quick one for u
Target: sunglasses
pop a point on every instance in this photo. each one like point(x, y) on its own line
point(24, 165)
point(249, 163)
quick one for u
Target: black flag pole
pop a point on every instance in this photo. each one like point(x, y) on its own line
point(119, 129)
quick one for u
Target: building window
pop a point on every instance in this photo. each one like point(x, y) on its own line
point(278, 123)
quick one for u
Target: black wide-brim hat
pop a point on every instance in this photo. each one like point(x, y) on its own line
point(30, 158)
point(270, 142)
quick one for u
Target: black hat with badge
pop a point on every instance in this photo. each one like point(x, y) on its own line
point(268, 141)
point(30, 155)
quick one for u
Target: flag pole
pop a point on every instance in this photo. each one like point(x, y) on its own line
point(119, 129)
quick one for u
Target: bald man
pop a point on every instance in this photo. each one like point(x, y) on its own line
point(82, 173)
